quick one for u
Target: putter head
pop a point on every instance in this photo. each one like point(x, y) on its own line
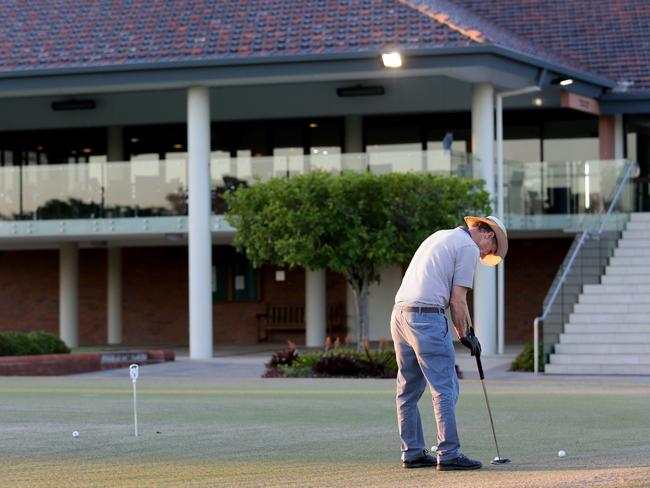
point(498, 460)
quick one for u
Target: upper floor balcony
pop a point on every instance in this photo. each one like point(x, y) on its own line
point(149, 195)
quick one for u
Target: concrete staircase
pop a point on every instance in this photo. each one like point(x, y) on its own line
point(609, 329)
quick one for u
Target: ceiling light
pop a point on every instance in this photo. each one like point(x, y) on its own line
point(566, 82)
point(73, 104)
point(177, 146)
point(313, 125)
point(538, 102)
point(360, 91)
point(392, 59)
point(86, 150)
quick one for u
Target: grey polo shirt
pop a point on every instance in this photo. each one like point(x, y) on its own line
point(445, 259)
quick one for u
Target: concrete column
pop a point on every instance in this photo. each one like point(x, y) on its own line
point(485, 285)
point(69, 293)
point(619, 137)
point(315, 307)
point(199, 236)
point(114, 295)
point(114, 152)
point(115, 144)
point(606, 142)
point(353, 134)
point(353, 144)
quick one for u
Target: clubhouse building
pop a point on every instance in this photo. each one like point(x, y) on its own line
point(122, 124)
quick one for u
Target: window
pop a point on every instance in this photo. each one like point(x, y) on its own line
point(234, 279)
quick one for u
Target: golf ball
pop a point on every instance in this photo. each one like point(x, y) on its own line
point(75, 434)
point(561, 453)
point(434, 448)
point(496, 458)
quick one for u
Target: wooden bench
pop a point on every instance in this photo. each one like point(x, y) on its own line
point(291, 318)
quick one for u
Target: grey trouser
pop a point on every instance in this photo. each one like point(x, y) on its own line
point(425, 356)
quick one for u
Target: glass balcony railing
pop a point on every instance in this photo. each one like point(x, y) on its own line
point(537, 194)
point(568, 193)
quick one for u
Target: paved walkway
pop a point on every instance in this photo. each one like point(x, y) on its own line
point(249, 362)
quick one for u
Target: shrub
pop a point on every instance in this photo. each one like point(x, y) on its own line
point(286, 357)
point(524, 362)
point(335, 364)
point(48, 343)
point(22, 344)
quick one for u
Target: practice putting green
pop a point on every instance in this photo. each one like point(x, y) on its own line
point(306, 432)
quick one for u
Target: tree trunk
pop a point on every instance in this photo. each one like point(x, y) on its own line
point(360, 290)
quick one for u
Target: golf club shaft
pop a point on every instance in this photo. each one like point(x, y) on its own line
point(487, 402)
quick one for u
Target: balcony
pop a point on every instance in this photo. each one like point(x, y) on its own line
point(149, 196)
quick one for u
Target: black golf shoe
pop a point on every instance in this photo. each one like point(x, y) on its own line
point(426, 460)
point(461, 462)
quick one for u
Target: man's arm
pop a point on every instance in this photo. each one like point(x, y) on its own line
point(458, 308)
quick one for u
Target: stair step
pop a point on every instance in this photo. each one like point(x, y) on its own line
point(639, 269)
point(630, 261)
point(590, 297)
point(604, 338)
point(633, 243)
point(600, 359)
point(632, 252)
point(631, 288)
point(640, 217)
point(636, 233)
point(588, 369)
point(588, 327)
point(610, 319)
point(626, 279)
point(639, 306)
point(609, 348)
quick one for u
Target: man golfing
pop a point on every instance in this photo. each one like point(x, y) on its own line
point(439, 275)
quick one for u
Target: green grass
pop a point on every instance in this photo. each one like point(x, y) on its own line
point(306, 432)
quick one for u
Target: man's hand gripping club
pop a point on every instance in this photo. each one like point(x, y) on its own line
point(470, 341)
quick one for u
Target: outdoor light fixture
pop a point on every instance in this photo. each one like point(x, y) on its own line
point(360, 91)
point(313, 125)
point(73, 104)
point(538, 102)
point(562, 81)
point(392, 59)
point(177, 146)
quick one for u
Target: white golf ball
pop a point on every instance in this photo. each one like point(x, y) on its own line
point(75, 434)
point(434, 448)
point(561, 453)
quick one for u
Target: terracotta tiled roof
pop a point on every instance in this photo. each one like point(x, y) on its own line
point(611, 38)
point(604, 37)
point(44, 34)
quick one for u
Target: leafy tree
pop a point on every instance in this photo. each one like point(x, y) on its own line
point(352, 224)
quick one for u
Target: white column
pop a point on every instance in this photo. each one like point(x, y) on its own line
point(69, 293)
point(353, 134)
point(114, 152)
point(115, 144)
point(485, 296)
point(619, 137)
point(114, 295)
point(200, 241)
point(353, 144)
point(315, 307)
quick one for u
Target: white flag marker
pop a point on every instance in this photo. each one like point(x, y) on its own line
point(134, 371)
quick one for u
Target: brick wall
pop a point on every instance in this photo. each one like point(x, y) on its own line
point(155, 296)
point(531, 265)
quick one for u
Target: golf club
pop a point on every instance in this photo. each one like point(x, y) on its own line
point(498, 459)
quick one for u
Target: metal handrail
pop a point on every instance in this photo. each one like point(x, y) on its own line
point(558, 285)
